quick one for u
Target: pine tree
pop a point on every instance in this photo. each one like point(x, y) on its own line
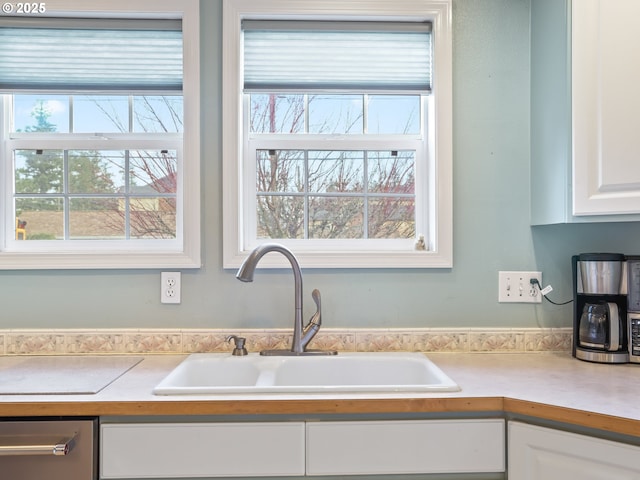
point(42, 171)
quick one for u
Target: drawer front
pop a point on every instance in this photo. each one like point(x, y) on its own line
point(405, 447)
point(191, 450)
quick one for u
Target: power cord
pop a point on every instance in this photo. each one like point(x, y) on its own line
point(545, 291)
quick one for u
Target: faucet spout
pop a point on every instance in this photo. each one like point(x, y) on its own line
point(301, 336)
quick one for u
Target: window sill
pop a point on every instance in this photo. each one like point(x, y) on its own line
point(77, 261)
point(352, 259)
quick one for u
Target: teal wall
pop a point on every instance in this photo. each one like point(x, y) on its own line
point(491, 224)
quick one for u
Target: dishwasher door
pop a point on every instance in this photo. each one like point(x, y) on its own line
point(52, 449)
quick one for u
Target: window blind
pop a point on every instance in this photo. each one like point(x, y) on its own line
point(102, 55)
point(337, 56)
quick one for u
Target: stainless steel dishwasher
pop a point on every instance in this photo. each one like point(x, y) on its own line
point(54, 449)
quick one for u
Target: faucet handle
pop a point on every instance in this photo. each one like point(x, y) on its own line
point(316, 319)
point(239, 348)
point(310, 330)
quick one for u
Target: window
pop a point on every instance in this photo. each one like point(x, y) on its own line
point(102, 188)
point(337, 132)
point(100, 129)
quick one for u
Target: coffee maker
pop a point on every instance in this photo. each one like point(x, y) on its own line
point(600, 308)
point(633, 307)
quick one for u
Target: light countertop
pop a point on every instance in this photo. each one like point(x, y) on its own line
point(552, 386)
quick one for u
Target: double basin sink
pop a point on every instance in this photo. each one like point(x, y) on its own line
point(219, 373)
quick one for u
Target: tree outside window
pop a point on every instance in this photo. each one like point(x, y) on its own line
point(99, 194)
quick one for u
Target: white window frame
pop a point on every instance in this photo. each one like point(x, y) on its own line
point(181, 253)
point(237, 179)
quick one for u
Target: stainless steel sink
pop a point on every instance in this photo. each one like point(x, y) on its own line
point(215, 373)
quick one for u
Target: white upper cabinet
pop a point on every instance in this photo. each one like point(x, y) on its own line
point(585, 129)
point(606, 107)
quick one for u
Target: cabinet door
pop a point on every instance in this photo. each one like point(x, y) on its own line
point(538, 453)
point(191, 450)
point(605, 107)
point(405, 447)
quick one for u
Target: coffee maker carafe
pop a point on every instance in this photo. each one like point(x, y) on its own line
point(600, 327)
point(599, 323)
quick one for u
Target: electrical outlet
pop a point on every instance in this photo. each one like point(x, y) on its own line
point(170, 287)
point(515, 287)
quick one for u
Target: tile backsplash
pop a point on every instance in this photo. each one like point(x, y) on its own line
point(185, 341)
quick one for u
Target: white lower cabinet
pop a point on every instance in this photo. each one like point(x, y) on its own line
point(540, 453)
point(266, 449)
point(192, 450)
point(405, 447)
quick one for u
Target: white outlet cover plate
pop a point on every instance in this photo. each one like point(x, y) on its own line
point(170, 286)
point(515, 287)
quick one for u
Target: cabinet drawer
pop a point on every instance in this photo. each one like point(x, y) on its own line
point(405, 447)
point(190, 450)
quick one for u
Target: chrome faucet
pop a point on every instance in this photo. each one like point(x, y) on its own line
point(301, 335)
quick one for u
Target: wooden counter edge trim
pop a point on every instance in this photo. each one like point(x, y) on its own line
point(582, 418)
point(253, 407)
